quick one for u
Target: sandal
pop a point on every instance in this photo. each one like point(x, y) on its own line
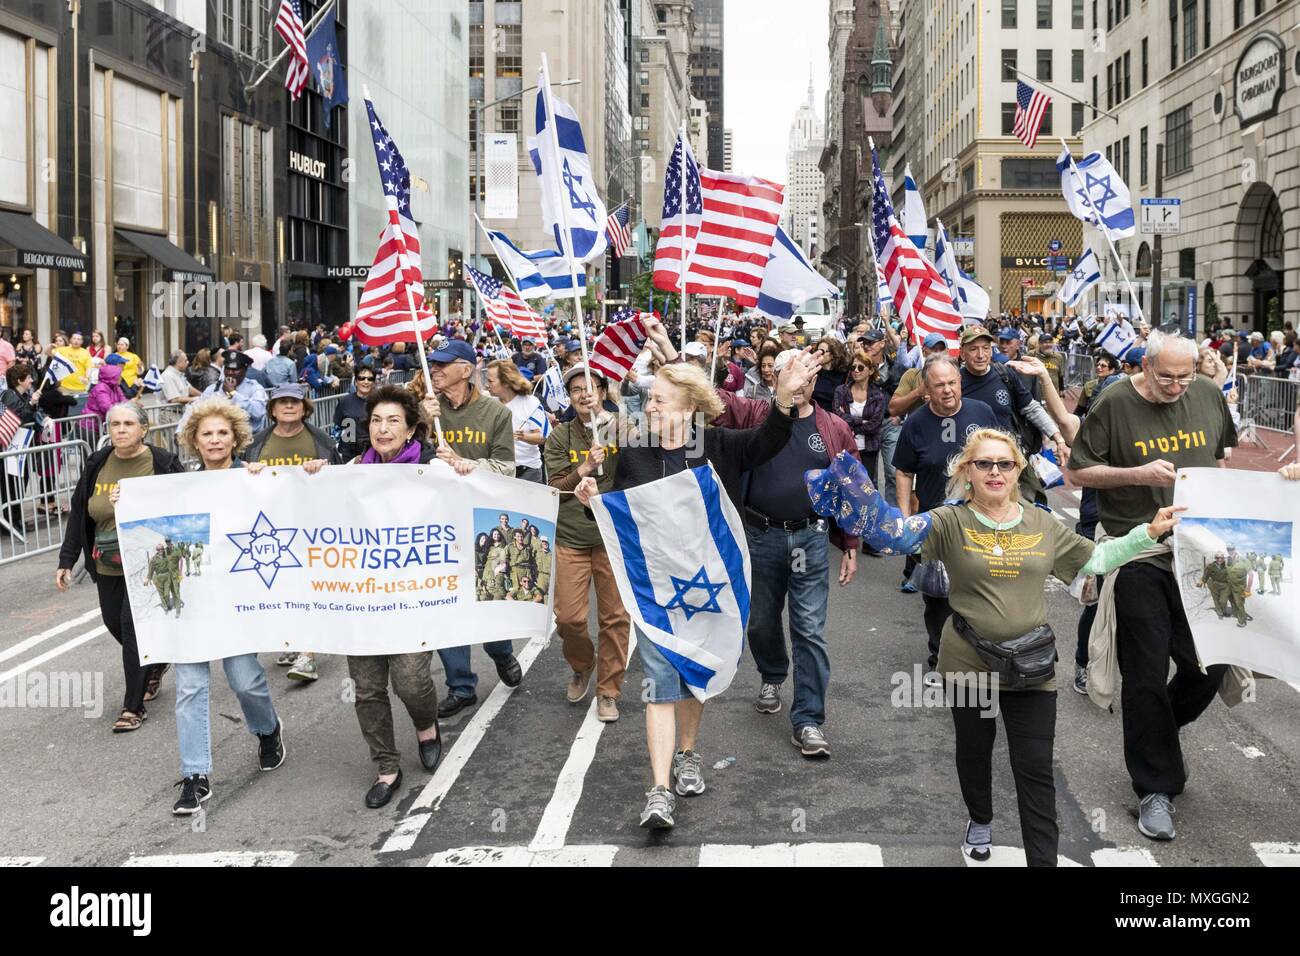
point(128, 722)
point(155, 680)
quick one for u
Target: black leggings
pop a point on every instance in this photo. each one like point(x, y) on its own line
point(115, 606)
point(1030, 720)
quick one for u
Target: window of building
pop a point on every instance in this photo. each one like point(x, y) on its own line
point(1259, 7)
point(1046, 128)
point(1123, 161)
point(645, 101)
point(1110, 85)
point(1076, 118)
point(476, 51)
point(1205, 42)
point(968, 179)
point(508, 47)
point(1008, 118)
point(1142, 156)
point(1178, 141)
point(1045, 65)
point(1144, 63)
point(246, 187)
point(1009, 13)
point(1238, 13)
point(645, 55)
point(246, 26)
point(1044, 14)
point(1270, 231)
point(508, 11)
point(643, 77)
point(1076, 66)
point(1128, 76)
point(1189, 29)
point(1110, 15)
point(1187, 263)
point(1076, 14)
point(1030, 174)
point(508, 116)
point(1094, 96)
point(1173, 34)
point(1009, 65)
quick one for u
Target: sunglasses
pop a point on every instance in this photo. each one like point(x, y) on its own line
point(859, 368)
point(986, 465)
point(365, 378)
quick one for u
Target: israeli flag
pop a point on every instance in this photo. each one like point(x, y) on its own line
point(913, 218)
point(789, 281)
point(568, 184)
point(1085, 275)
point(1117, 338)
point(58, 369)
point(883, 298)
point(688, 592)
point(968, 295)
point(554, 396)
point(1092, 183)
point(1230, 382)
point(540, 273)
point(152, 380)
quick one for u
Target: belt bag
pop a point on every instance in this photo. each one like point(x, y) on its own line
point(106, 548)
point(1020, 663)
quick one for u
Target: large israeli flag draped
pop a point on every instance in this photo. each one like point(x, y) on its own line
point(539, 273)
point(789, 281)
point(913, 218)
point(677, 547)
point(567, 179)
point(967, 295)
point(1093, 178)
point(1085, 275)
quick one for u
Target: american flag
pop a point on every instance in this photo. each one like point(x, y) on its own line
point(616, 348)
point(504, 306)
point(678, 227)
point(384, 312)
point(620, 236)
point(9, 425)
point(906, 270)
point(1030, 108)
point(288, 23)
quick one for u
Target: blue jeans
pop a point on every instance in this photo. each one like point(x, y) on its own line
point(780, 571)
point(461, 679)
point(193, 729)
point(889, 433)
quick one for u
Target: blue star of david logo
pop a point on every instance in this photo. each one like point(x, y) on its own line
point(578, 200)
point(699, 582)
point(1106, 192)
point(265, 549)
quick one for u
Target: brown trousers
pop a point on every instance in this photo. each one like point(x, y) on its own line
point(412, 678)
point(574, 569)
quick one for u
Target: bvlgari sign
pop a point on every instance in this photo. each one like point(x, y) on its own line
point(1260, 76)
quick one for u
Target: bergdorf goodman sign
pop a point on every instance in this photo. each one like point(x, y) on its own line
point(1260, 76)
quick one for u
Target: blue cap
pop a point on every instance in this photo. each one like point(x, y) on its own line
point(573, 346)
point(935, 339)
point(454, 350)
point(526, 373)
point(1008, 334)
point(115, 359)
point(1134, 356)
point(1243, 334)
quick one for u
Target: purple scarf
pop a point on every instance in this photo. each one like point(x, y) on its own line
point(409, 455)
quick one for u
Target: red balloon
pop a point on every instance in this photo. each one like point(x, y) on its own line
point(345, 331)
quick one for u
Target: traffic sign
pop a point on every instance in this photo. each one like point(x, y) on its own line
point(1054, 246)
point(1027, 282)
point(1161, 216)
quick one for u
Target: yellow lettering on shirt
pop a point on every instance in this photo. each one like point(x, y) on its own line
point(104, 488)
point(1004, 551)
point(1179, 441)
point(586, 453)
point(294, 459)
point(465, 436)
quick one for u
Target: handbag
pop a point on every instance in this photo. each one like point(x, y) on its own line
point(931, 579)
point(1021, 663)
point(107, 549)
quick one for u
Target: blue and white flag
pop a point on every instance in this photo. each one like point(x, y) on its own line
point(152, 380)
point(59, 369)
point(1094, 179)
point(967, 295)
point(543, 272)
point(883, 297)
point(554, 396)
point(913, 218)
point(789, 281)
point(1230, 382)
point(677, 547)
point(1117, 338)
point(327, 66)
point(568, 184)
point(1085, 274)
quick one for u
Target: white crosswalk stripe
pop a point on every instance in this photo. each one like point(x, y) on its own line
point(219, 858)
point(1277, 854)
point(791, 854)
point(21, 860)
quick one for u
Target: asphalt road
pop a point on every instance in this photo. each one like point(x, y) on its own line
point(529, 778)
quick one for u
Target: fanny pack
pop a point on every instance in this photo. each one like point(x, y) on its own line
point(107, 548)
point(1020, 663)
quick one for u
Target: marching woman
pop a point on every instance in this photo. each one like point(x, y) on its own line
point(861, 402)
point(397, 436)
point(998, 555)
point(92, 532)
point(681, 400)
point(508, 386)
point(217, 432)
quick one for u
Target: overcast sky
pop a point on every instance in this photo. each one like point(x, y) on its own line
point(769, 46)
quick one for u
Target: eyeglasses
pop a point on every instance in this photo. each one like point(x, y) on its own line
point(860, 368)
point(1175, 379)
point(986, 465)
point(365, 378)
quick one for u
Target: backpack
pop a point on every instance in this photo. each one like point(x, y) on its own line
point(1031, 439)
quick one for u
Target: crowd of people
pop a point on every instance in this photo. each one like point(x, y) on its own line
point(947, 442)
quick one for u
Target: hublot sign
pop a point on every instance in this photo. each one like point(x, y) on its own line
point(300, 163)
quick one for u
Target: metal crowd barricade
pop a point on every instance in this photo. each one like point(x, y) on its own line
point(86, 428)
point(36, 485)
point(1268, 402)
point(1080, 367)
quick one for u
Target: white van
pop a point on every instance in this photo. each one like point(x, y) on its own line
point(819, 315)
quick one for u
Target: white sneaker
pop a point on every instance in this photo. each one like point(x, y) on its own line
point(304, 668)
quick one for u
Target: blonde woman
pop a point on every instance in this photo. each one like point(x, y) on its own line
point(998, 555)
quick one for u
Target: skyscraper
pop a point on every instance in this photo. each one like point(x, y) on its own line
point(706, 71)
point(803, 177)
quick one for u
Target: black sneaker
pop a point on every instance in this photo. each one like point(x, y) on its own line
point(452, 705)
point(194, 790)
point(270, 747)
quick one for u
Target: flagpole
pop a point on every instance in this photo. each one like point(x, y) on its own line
point(550, 359)
point(717, 335)
point(681, 272)
point(306, 32)
point(1074, 99)
point(566, 243)
point(1101, 225)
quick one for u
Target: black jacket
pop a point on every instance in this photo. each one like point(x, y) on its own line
point(732, 452)
point(79, 539)
point(19, 405)
point(324, 445)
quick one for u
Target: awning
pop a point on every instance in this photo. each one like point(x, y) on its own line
point(36, 246)
point(182, 266)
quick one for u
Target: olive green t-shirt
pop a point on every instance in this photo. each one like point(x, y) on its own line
point(1124, 430)
point(997, 577)
point(298, 450)
point(481, 428)
point(909, 382)
point(568, 446)
point(101, 509)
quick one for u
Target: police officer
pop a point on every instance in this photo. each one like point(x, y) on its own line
point(1215, 577)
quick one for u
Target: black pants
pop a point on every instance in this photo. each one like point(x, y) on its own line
point(1029, 717)
point(115, 607)
point(1085, 628)
point(871, 461)
point(1151, 628)
point(937, 611)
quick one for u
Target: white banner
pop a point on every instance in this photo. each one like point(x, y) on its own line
point(1241, 608)
point(358, 559)
point(501, 176)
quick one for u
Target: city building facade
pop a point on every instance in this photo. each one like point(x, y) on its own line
point(804, 181)
point(706, 73)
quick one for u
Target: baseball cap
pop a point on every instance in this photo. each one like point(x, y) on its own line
point(696, 350)
point(573, 345)
point(789, 327)
point(457, 350)
point(1134, 356)
point(934, 340)
point(973, 333)
point(581, 369)
point(1008, 334)
point(739, 342)
point(873, 335)
point(286, 390)
point(783, 359)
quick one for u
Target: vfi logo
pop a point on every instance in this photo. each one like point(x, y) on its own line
point(265, 549)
